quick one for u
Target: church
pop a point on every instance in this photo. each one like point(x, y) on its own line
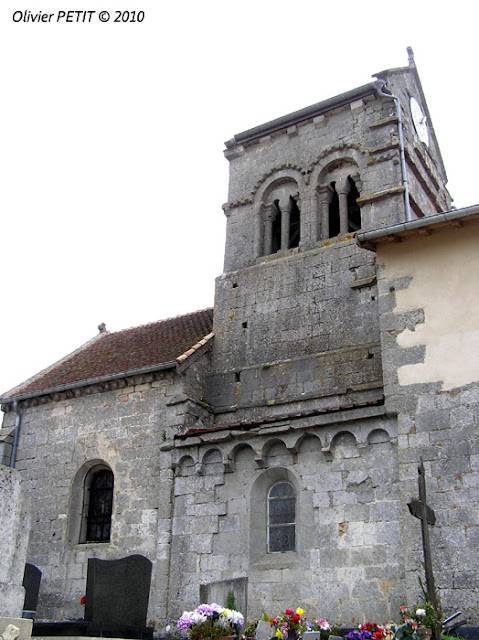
point(271, 444)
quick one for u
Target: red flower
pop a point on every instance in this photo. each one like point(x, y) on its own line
point(296, 617)
point(288, 612)
point(82, 600)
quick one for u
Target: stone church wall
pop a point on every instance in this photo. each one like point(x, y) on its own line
point(294, 329)
point(348, 564)
point(124, 430)
point(431, 372)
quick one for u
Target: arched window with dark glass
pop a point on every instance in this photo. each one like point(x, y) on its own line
point(281, 518)
point(98, 505)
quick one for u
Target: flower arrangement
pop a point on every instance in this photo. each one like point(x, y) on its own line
point(323, 627)
point(289, 621)
point(210, 621)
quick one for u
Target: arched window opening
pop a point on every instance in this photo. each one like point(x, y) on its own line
point(98, 505)
point(354, 211)
point(334, 213)
point(344, 211)
point(281, 218)
point(281, 518)
point(294, 225)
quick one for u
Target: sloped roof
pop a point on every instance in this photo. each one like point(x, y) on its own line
point(149, 345)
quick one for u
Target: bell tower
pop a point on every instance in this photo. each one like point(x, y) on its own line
point(296, 320)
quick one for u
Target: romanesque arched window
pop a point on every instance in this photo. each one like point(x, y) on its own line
point(98, 505)
point(281, 219)
point(344, 212)
point(338, 201)
point(281, 518)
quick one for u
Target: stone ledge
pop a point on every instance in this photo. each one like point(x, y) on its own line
point(24, 624)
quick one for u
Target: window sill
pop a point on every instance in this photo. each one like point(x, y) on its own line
point(280, 560)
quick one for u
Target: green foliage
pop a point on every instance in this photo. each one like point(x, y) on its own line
point(265, 617)
point(230, 600)
point(250, 629)
point(207, 630)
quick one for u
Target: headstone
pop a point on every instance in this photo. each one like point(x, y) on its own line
point(117, 592)
point(264, 631)
point(218, 592)
point(31, 583)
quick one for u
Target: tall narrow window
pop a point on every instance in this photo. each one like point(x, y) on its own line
point(99, 495)
point(281, 518)
point(344, 211)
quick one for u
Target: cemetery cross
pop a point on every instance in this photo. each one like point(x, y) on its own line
point(420, 509)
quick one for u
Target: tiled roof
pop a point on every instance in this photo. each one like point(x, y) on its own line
point(149, 345)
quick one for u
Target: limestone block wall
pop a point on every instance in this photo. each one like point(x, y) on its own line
point(296, 328)
point(425, 170)
point(14, 531)
point(348, 563)
point(122, 427)
point(359, 136)
point(429, 336)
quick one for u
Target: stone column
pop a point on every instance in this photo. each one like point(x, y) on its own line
point(325, 195)
point(343, 187)
point(268, 231)
point(285, 223)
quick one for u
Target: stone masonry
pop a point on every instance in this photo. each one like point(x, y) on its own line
point(305, 384)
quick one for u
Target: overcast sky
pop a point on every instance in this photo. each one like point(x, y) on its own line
point(112, 167)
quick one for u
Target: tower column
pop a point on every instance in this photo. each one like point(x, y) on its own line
point(285, 223)
point(343, 187)
point(325, 194)
point(268, 231)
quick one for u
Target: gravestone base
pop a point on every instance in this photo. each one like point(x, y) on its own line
point(23, 624)
point(84, 628)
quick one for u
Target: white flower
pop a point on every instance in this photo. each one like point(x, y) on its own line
point(421, 612)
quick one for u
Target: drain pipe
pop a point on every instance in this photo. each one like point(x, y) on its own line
point(16, 434)
point(388, 94)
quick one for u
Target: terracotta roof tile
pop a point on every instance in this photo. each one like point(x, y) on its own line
point(110, 353)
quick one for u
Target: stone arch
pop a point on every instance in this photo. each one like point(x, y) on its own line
point(278, 212)
point(258, 510)
point(309, 447)
point(186, 466)
point(338, 186)
point(212, 462)
point(276, 453)
point(344, 445)
point(378, 436)
point(242, 456)
point(79, 499)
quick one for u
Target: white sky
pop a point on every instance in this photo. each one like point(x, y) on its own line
point(112, 167)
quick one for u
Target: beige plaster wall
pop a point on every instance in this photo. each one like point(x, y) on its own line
point(444, 267)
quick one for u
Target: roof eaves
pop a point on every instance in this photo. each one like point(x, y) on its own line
point(303, 114)
point(455, 215)
point(40, 374)
point(89, 381)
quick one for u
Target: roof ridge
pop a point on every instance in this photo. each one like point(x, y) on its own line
point(154, 322)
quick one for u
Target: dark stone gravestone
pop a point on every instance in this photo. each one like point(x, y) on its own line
point(32, 577)
point(117, 594)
